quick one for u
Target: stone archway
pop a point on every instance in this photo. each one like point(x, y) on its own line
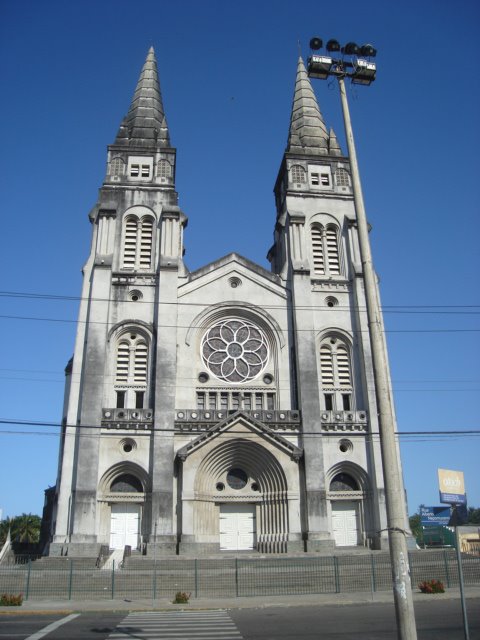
point(122, 496)
point(347, 493)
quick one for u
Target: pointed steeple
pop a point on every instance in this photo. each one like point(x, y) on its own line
point(333, 146)
point(145, 125)
point(308, 133)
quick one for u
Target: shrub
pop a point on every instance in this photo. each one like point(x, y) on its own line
point(432, 586)
point(182, 597)
point(10, 600)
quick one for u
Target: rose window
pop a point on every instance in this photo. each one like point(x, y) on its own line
point(235, 351)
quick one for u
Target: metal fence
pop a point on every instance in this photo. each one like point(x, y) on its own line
point(75, 579)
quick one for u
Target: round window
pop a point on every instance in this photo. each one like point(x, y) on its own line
point(235, 351)
point(237, 479)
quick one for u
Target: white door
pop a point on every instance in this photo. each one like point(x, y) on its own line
point(345, 524)
point(124, 526)
point(237, 527)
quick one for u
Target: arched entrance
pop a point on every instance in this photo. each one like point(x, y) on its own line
point(346, 494)
point(241, 493)
point(123, 500)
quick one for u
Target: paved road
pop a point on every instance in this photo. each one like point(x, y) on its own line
point(440, 620)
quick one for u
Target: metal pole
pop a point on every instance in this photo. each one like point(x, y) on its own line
point(466, 633)
point(154, 590)
point(394, 497)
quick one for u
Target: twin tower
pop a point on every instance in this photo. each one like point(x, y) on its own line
point(229, 408)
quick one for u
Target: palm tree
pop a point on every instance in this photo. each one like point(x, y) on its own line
point(26, 528)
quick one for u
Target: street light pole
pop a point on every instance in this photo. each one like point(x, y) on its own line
point(362, 71)
point(402, 589)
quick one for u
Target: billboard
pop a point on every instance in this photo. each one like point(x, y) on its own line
point(434, 516)
point(452, 486)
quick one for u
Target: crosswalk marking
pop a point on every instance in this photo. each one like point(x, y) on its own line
point(177, 625)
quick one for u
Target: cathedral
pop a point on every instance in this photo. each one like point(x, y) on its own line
point(231, 408)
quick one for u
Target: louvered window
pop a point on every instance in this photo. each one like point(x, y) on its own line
point(336, 374)
point(123, 362)
point(140, 364)
point(138, 243)
point(317, 250)
point(146, 243)
point(325, 250)
point(131, 370)
point(332, 250)
point(326, 365)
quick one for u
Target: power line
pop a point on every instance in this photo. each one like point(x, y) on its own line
point(177, 326)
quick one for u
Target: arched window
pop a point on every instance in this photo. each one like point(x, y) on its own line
point(126, 483)
point(344, 482)
point(336, 374)
point(298, 174)
point(164, 169)
point(137, 243)
point(131, 370)
point(117, 167)
point(325, 249)
point(342, 178)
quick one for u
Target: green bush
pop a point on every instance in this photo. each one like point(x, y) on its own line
point(181, 597)
point(432, 586)
point(10, 600)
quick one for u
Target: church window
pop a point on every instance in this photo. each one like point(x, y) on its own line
point(342, 178)
point(117, 167)
point(336, 375)
point(164, 169)
point(126, 483)
point(298, 174)
point(343, 482)
point(134, 170)
point(131, 368)
point(140, 167)
point(325, 250)
point(137, 243)
point(235, 351)
point(320, 177)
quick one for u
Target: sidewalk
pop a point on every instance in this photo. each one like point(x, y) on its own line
point(162, 604)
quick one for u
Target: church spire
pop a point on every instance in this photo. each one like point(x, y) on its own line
point(308, 133)
point(145, 125)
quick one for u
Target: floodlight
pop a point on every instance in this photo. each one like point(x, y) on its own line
point(316, 44)
point(367, 50)
point(351, 49)
point(319, 66)
point(364, 72)
point(333, 45)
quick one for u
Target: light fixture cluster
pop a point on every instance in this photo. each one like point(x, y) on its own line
point(322, 66)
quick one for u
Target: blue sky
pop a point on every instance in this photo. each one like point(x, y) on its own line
point(227, 74)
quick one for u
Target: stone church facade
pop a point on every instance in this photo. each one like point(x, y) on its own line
point(230, 408)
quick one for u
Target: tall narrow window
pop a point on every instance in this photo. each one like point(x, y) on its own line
point(336, 374)
point(298, 174)
point(317, 250)
point(138, 243)
point(164, 169)
point(333, 259)
point(325, 250)
point(131, 369)
point(342, 178)
point(117, 167)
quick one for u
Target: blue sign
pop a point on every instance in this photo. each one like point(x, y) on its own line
point(453, 498)
point(434, 516)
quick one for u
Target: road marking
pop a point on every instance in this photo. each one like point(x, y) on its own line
point(178, 625)
point(51, 627)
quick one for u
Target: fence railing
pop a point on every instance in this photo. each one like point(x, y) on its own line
point(63, 578)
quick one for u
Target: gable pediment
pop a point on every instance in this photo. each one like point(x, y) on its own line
point(241, 423)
